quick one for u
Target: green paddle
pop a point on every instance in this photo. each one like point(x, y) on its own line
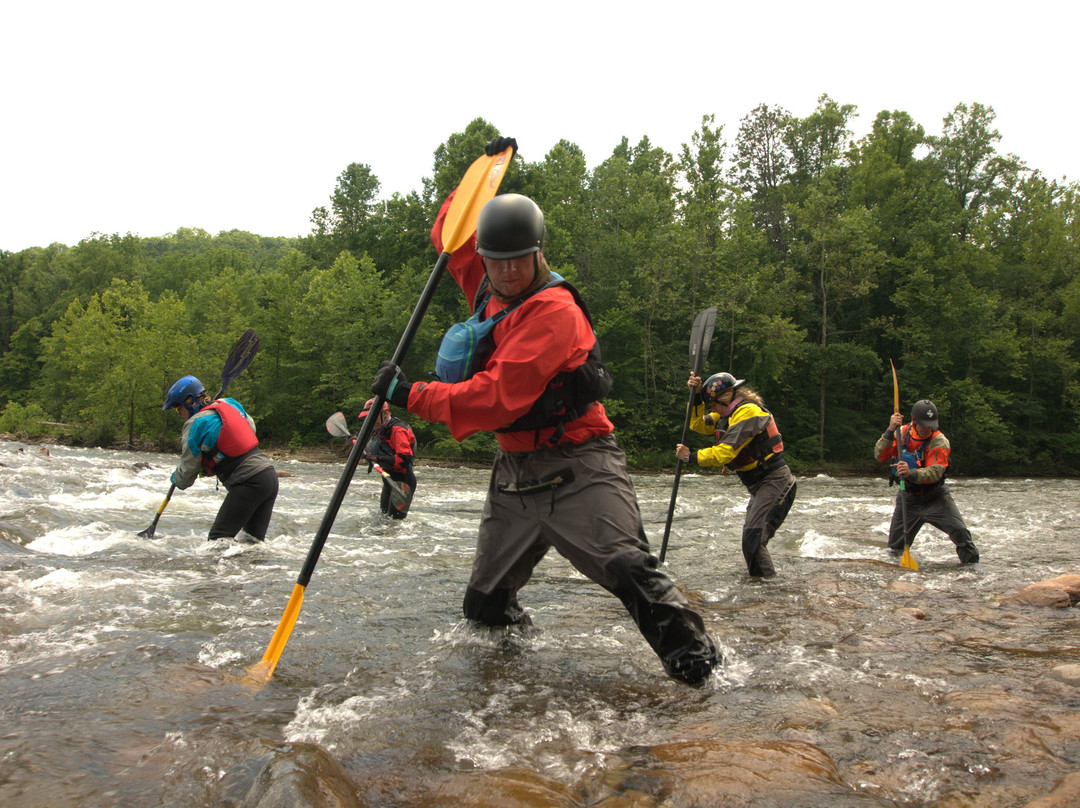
point(477, 187)
point(700, 339)
point(239, 358)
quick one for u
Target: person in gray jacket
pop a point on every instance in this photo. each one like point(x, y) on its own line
point(218, 438)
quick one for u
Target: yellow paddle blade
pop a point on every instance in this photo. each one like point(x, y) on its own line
point(895, 389)
point(906, 561)
point(475, 190)
point(264, 669)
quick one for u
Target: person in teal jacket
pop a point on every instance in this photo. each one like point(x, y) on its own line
point(218, 439)
point(749, 443)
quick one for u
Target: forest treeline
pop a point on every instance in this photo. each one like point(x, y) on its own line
point(825, 256)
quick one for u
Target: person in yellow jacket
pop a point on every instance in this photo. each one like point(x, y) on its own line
point(748, 443)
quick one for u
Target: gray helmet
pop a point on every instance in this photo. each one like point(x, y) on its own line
point(508, 226)
point(718, 383)
point(925, 414)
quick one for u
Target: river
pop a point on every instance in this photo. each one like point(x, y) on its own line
point(848, 680)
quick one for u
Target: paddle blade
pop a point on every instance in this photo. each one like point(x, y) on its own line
point(149, 532)
point(239, 358)
point(264, 669)
point(906, 561)
point(337, 426)
point(701, 338)
point(401, 498)
point(895, 389)
point(475, 190)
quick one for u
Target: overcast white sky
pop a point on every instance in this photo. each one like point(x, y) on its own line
point(145, 116)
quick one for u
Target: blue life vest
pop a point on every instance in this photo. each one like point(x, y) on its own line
point(467, 345)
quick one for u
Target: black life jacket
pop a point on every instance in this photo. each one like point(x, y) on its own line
point(766, 448)
point(380, 441)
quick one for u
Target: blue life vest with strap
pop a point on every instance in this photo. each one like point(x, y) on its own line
point(466, 347)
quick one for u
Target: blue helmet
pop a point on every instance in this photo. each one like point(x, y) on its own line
point(179, 392)
point(717, 384)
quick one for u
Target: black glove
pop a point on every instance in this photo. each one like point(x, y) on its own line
point(499, 144)
point(391, 384)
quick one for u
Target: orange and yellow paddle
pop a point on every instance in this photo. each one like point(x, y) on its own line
point(476, 189)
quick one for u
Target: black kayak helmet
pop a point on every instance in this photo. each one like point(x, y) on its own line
point(925, 414)
point(719, 383)
point(508, 226)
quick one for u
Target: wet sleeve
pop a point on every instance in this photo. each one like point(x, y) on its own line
point(935, 461)
point(187, 470)
point(697, 420)
point(885, 448)
point(401, 445)
point(746, 422)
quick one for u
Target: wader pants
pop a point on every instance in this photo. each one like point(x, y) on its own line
point(580, 500)
point(936, 508)
point(407, 477)
point(770, 501)
point(248, 506)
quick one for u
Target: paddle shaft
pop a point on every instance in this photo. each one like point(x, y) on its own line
point(480, 182)
point(700, 339)
point(357, 452)
point(678, 474)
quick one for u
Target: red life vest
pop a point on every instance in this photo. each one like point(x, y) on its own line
point(235, 439)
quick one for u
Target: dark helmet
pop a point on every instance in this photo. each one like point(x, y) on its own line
point(371, 403)
point(508, 226)
point(925, 414)
point(179, 392)
point(717, 384)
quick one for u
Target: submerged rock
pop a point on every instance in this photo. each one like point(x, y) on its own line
point(302, 776)
point(1065, 794)
point(728, 773)
point(1060, 592)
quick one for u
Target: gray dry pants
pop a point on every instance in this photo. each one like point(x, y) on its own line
point(770, 501)
point(936, 508)
point(592, 519)
point(248, 506)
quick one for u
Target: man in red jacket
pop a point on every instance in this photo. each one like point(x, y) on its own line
point(559, 478)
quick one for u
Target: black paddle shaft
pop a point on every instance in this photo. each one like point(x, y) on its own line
point(369, 426)
point(700, 340)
